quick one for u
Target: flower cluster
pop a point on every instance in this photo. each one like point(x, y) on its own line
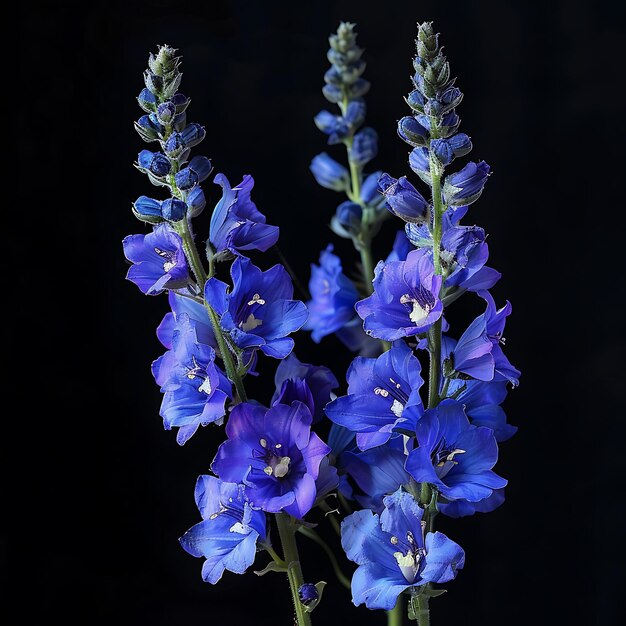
point(401, 458)
point(214, 332)
point(398, 449)
point(333, 294)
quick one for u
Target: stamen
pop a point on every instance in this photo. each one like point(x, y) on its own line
point(263, 442)
point(268, 470)
point(394, 540)
point(256, 299)
point(379, 391)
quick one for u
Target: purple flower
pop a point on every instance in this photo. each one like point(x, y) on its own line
point(453, 455)
point(311, 384)
point(259, 312)
point(275, 454)
point(478, 353)
point(394, 553)
point(237, 226)
point(227, 537)
point(465, 186)
point(158, 260)
point(198, 317)
point(400, 249)
point(195, 389)
point(405, 301)
point(379, 391)
point(403, 200)
point(377, 472)
point(333, 296)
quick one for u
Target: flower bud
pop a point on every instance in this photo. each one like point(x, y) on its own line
point(147, 129)
point(201, 166)
point(332, 93)
point(416, 101)
point(192, 135)
point(147, 207)
point(147, 101)
point(174, 145)
point(186, 179)
point(330, 174)
point(308, 593)
point(173, 209)
point(358, 89)
point(420, 164)
point(153, 82)
point(447, 150)
point(154, 162)
point(411, 131)
point(165, 112)
point(465, 186)
point(403, 199)
point(364, 146)
point(196, 201)
point(347, 220)
point(180, 102)
point(355, 113)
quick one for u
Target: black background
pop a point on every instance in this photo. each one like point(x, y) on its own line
point(102, 492)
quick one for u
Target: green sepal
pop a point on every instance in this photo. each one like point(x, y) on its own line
point(148, 219)
point(272, 566)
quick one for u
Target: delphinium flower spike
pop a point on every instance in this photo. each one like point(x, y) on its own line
point(272, 462)
point(408, 459)
point(358, 218)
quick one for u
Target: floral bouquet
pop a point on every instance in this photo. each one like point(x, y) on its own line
point(395, 452)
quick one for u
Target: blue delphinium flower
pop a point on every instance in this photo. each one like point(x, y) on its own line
point(453, 455)
point(478, 353)
point(481, 399)
point(333, 296)
point(311, 384)
point(158, 259)
point(274, 454)
point(405, 301)
point(376, 473)
point(227, 537)
point(181, 303)
point(237, 226)
point(379, 391)
point(463, 252)
point(195, 388)
point(259, 312)
point(394, 553)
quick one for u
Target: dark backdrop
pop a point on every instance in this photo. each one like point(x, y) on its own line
point(102, 492)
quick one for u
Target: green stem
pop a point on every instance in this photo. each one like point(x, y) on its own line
point(367, 262)
point(422, 613)
point(395, 616)
point(286, 530)
point(311, 534)
point(275, 556)
point(189, 246)
point(434, 369)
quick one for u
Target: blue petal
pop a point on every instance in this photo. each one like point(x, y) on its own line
point(375, 590)
point(443, 558)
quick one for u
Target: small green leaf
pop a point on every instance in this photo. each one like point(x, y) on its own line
point(272, 566)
